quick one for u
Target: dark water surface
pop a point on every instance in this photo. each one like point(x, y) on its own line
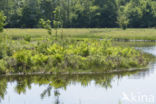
point(127, 88)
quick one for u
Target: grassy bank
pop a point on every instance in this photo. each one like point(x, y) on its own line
point(33, 52)
point(117, 34)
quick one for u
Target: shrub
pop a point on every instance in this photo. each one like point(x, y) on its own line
point(5, 50)
point(39, 59)
point(27, 38)
point(2, 67)
point(2, 20)
point(55, 49)
point(42, 46)
point(23, 60)
point(122, 19)
point(75, 56)
point(46, 24)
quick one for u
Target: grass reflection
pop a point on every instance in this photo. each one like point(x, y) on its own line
point(57, 82)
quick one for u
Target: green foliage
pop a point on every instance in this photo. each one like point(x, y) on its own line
point(68, 55)
point(137, 13)
point(2, 67)
point(5, 49)
point(39, 59)
point(80, 13)
point(46, 25)
point(55, 49)
point(27, 38)
point(75, 56)
point(122, 18)
point(123, 21)
point(23, 60)
point(27, 59)
point(42, 46)
point(2, 21)
point(57, 23)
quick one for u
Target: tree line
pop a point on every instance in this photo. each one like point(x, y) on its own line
point(80, 13)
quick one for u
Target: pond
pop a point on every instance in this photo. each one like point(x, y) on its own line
point(117, 88)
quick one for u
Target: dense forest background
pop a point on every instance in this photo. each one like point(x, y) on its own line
point(80, 13)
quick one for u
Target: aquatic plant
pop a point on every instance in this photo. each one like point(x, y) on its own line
point(92, 55)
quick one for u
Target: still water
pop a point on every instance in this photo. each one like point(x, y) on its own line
point(121, 88)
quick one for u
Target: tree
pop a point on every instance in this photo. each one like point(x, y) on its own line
point(148, 15)
point(133, 12)
point(46, 24)
point(30, 14)
point(57, 22)
point(2, 21)
point(46, 6)
point(123, 21)
point(80, 13)
point(122, 18)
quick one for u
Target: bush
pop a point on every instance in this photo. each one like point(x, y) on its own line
point(27, 38)
point(2, 67)
point(39, 59)
point(75, 56)
point(2, 20)
point(23, 60)
point(122, 21)
point(5, 50)
point(26, 60)
point(42, 46)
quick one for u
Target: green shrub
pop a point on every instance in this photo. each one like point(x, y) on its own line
point(5, 50)
point(26, 60)
point(75, 56)
point(55, 49)
point(2, 67)
point(2, 21)
point(23, 60)
point(39, 59)
point(46, 24)
point(42, 46)
point(27, 38)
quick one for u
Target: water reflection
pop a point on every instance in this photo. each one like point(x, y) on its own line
point(57, 82)
point(144, 73)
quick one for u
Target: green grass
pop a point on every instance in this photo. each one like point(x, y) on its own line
point(134, 43)
point(32, 50)
point(119, 34)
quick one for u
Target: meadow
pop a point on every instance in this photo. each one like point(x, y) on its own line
point(115, 33)
point(73, 50)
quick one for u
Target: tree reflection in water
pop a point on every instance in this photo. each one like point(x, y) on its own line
point(57, 82)
point(3, 88)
